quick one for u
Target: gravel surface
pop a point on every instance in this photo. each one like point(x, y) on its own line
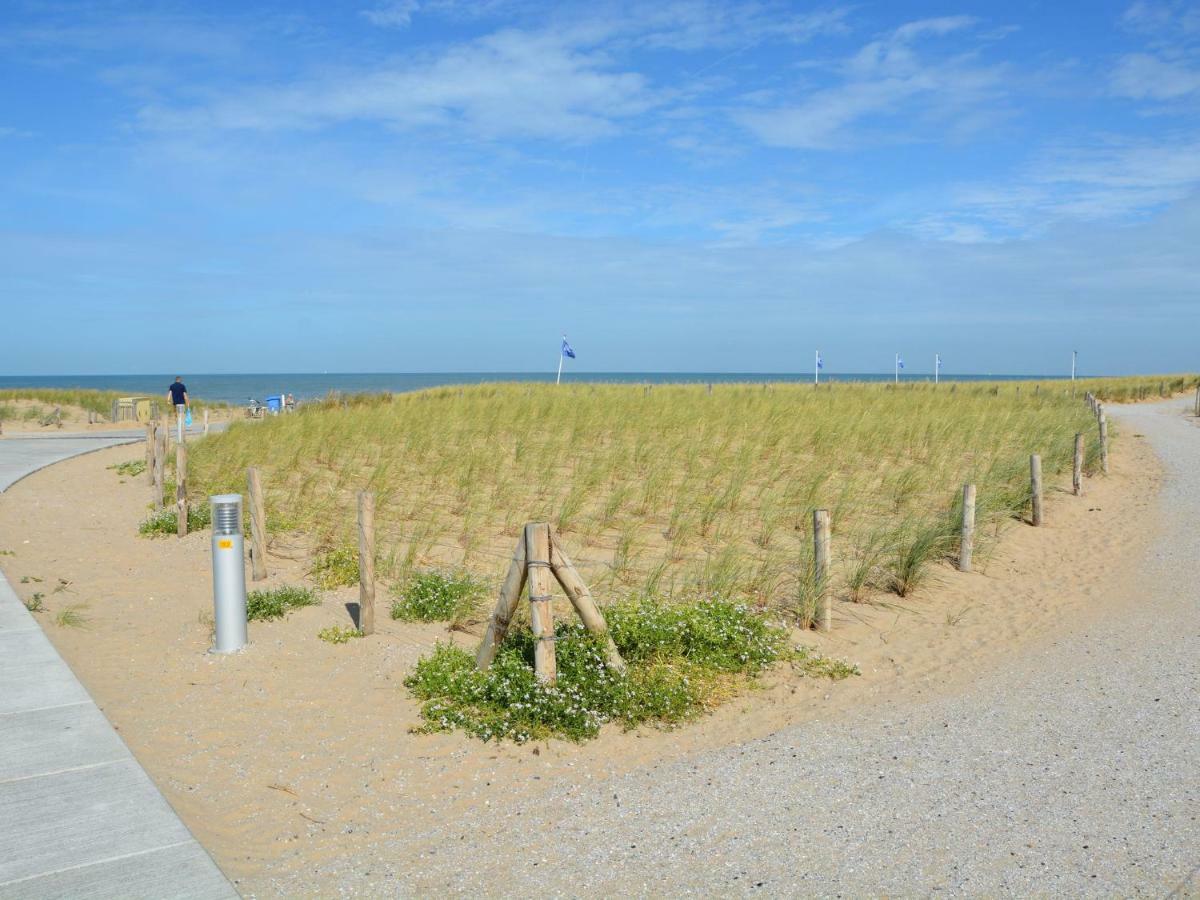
point(1070, 771)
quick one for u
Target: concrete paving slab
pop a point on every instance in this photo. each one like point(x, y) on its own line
point(183, 872)
point(82, 816)
point(34, 675)
point(40, 741)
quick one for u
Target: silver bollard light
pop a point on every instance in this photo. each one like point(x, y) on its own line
point(229, 573)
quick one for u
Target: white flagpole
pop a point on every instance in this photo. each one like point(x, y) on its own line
point(937, 364)
point(897, 368)
point(558, 380)
point(1074, 353)
point(817, 368)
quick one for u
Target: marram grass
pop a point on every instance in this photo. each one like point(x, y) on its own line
point(673, 492)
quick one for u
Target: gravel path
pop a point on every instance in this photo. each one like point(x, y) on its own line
point(1072, 771)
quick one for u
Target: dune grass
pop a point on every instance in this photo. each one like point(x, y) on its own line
point(672, 492)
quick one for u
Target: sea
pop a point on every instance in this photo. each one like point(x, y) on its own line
point(238, 389)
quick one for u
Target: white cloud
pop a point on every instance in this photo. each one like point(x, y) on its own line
point(393, 14)
point(507, 84)
point(886, 78)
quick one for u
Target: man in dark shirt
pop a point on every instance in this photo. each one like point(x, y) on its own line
point(177, 393)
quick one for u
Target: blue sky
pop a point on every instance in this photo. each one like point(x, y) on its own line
point(424, 185)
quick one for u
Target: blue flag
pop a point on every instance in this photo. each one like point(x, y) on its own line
point(566, 349)
point(820, 362)
point(899, 362)
point(939, 360)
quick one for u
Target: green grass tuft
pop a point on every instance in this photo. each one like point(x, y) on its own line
point(275, 603)
point(338, 634)
point(336, 568)
point(438, 596)
point(131, 468)
point(72, 616)
point(166, 521)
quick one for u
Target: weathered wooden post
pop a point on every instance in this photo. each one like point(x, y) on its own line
point(181, 504)
point(506, 606)
point(1077, 467)
point(366, 562)
point(206, 423)
point(541, 612)
point(966, 541)
point(1035, 487)
point(258, 526)
point(577, 592)
point(821, 561)
point(150, 451)
point(160, 464)
point(1198, 400)
point(116, 405)
point(1104, 443)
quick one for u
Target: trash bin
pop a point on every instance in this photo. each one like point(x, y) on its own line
point(275, 403)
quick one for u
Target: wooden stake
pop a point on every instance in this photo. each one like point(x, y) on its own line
point(1104, 443)
point(966, 545)
point(1077, 468)
point(160, 464)
point(506, 606)
point(181, 504)
point(150, 451)
point(541, 612)
point(821, 559)
point(206, 423)
point(1198, 400)
point(366, 562)
point(581, 598)
point(1035, 487)
point(258, 526)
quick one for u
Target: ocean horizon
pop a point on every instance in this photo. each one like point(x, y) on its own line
point(238, 388)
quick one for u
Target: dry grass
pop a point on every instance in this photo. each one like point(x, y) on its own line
point(672, 492)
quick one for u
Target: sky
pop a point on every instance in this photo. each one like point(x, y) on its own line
point(436, 185)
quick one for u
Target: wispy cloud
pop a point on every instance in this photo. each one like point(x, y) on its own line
point(885, 80)
point(393, 14)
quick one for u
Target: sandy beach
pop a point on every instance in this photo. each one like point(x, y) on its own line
point(296, 756)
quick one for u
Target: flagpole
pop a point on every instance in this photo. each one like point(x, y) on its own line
point(558, 380)
point(1074, 353)
point(937, 364)
point(897, 368)
point(817, 368)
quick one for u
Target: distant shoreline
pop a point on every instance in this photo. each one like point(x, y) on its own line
point(236, 388)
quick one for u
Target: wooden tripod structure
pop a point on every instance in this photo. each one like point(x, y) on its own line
point(539, 554)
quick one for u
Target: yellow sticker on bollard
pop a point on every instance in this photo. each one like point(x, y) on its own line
point(225, 545)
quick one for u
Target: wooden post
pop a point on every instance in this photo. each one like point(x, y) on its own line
point(150, 451)
point(1077, 468)
point(113, 411)
point(821, 567)
point(1104, 443)
point(1198, 400)
point(258, 526)
point(966, 541)
point(206, 423)
point(160, 464)
point(506, 606)
point(366, 562)
point(581, 598)
point(541, 613)
point(181, 504)
point(1035, 487)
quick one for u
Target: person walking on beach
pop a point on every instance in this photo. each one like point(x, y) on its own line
point(178, 395)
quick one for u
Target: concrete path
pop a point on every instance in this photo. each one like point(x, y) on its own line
point(1072, 771)
point(78, 815)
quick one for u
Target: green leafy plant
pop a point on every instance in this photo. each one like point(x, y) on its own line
point(36, 603)
point(682, 658)
point(338, 634)
point(275, 603)
point(438, 596)
point(336, 568)
point(131, 468)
